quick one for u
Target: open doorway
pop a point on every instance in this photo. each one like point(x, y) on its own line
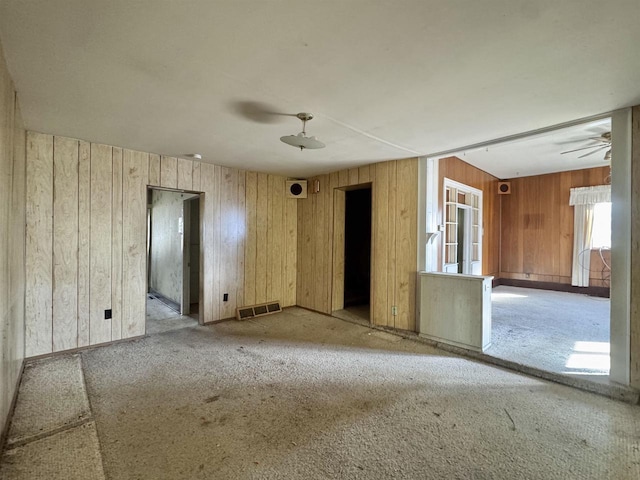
point(548, 243)
point(357, 249)
point(352, 253)
point(173, 248)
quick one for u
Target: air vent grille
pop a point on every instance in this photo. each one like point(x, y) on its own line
point(243, 313)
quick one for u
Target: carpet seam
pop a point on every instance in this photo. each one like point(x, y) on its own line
point(39, 436)
point(86, 392)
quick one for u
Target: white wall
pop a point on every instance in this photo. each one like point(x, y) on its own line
point(166, 244)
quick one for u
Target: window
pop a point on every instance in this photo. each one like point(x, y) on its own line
point(601, 236)
point(462, 246)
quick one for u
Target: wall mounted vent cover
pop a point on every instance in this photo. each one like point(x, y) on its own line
point(504, 188)
point(296, 189)
point(243, 313)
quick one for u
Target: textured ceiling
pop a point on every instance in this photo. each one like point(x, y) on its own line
point(385, 80)
point(543, 153)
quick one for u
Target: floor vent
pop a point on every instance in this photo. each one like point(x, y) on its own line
point(242, 313)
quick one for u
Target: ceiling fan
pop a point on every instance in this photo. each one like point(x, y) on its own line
point(602, 142)
point(264, 113)
point(301, 140)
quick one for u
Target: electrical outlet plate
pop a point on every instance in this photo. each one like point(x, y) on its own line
point(394, 310)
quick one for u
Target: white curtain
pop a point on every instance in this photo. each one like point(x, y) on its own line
point(584, 199)
point(582, 231)
point(590, 195)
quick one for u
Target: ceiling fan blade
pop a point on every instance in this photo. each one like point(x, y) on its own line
point(585, 148)
point(258, 112)
point(595, 151)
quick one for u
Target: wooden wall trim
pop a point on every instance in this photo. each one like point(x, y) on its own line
point(337, 294)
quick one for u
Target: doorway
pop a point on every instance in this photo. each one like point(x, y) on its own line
point(538, 234)
point(462, 245)
point(357, 248)
point(352, 253)
point(173, 249)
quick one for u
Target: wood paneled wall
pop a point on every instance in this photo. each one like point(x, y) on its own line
point(394, 241)
point(460, 171)
point(529, 232)
point(537, 225)
point(86, 239)
point(12, 238)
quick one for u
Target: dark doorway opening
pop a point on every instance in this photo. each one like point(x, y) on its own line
point(357, 248)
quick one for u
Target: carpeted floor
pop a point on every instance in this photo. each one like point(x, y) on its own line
point(302, 395)
point(52, 434)
point(560, 332)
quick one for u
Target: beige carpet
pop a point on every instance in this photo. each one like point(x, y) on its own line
point(52, 397)
point(560, 332)
point(51, 436)
point(302, 395)
point(71, 454)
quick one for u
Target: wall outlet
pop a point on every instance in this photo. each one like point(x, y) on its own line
point(225, 297)
point(394, 310)
point(107, 314)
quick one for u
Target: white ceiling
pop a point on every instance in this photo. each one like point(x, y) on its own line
point(385, 79)
point(543, 153)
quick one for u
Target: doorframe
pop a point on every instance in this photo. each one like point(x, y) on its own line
point(185, 301)
point(467, 238)
point(620, 283)
point(186, 254)
point(467, 189)
point(148, 229)
point(339, 224)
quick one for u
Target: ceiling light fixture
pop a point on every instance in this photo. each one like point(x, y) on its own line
point(301, 140)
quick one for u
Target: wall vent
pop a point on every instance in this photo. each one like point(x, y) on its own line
point(504, 188)
point(296, 189)
point(242, 313)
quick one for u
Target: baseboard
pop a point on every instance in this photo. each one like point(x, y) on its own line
point(7, 423)
point(557, 287)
